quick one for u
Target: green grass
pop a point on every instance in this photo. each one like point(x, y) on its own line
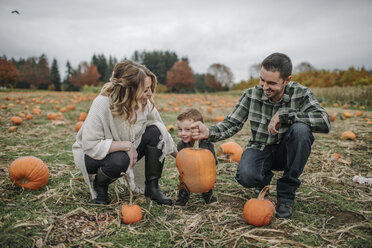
point(330, 209)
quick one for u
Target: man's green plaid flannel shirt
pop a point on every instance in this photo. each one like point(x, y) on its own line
point(296, 105)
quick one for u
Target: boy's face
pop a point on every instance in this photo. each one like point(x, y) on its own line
point(184, 130)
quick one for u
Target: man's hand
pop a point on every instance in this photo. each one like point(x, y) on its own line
point(199, 131)
point(274, 124)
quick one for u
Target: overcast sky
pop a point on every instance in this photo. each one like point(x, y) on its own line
point(238, 33)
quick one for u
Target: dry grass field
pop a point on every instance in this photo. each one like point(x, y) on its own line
point(330, 209)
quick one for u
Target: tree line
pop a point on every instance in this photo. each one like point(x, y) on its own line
point(173, 73)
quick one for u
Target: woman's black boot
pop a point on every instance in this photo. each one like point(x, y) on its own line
point(153, 170)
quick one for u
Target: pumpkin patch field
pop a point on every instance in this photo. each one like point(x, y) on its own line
point(39, 127)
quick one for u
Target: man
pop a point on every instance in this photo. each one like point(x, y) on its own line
point(282, 115)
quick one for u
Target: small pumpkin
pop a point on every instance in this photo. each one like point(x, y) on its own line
point(347, 114)
point(259, 212)
point(359, 113)
point(12, 129)
point(348, 135)
point(232, 150)
point(29, 172)
point(82, 116)
point(16, 120)
point(219, 118)
point(78, 125)
point(333, 117)
point(197, 168)
point(171, 128)
point(51, 116)
point(130, 213)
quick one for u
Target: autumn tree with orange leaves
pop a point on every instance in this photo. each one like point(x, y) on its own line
point(219, 77)
point(85, 75)
point(8, 73)
point(180, 77)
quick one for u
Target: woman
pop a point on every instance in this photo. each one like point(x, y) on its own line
point(122, 126)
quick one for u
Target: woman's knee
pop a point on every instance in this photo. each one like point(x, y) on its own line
point(116, 163)
point(152, 135)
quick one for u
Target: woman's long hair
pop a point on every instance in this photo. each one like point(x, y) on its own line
point(126, 86)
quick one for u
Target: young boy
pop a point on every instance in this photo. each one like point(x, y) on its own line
point(184, 121)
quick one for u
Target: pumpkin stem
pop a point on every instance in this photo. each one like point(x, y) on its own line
point(130, 190)
point(261, 196)
point(196, 145)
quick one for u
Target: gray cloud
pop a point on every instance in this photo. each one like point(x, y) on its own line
point(328, 34)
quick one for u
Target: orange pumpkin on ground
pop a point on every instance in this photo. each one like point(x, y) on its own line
point(259, 212)
point(232, 150)
point(171, 128)
point(333, 117)
point(78, 125)
point(197, 168)
point(12, 129)
point(130, 213)
point(359, 113)
point(29, 172)
point(16, 120)
point(347, 114)
point(82, 116)
point(219, 118)
point(348, 135)
point(51, 116)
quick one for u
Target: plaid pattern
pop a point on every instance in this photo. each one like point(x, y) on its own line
point(297, 104)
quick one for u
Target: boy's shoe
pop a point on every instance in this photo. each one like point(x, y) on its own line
point(208, 197)
point(182, 198)
point(284, 209)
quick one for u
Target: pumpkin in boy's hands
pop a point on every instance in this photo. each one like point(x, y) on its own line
point(197, 168)
point(259, 212)
point(29, 172)
point(232, 150)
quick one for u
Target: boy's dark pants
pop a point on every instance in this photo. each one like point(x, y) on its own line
point(255, 167)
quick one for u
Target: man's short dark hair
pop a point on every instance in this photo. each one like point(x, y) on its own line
point(278, 62)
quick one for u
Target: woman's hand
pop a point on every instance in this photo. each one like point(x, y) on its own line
point(133, 155)
point(127, 147)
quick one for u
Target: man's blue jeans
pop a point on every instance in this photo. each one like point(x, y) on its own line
point(255, 166)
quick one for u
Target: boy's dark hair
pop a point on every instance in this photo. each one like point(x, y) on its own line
point(190, 114)
point(278, 62)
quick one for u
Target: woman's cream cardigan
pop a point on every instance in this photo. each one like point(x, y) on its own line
point(101, 127)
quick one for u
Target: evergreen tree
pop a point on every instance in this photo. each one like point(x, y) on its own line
point(158, 62)
point(54, 76)
point(67, 85)
point(43, 72)
point(101, 63)
point(112, 61)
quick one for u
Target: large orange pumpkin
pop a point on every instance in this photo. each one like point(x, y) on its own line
point(197, 168)
point(232, 150)
point(259, 212)
point(29, 172)
point(130, 213)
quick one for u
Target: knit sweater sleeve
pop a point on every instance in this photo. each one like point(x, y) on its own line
point(94, 141)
